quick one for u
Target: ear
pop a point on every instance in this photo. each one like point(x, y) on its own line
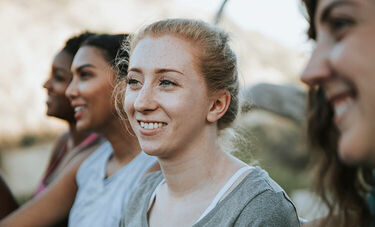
point(219, 106)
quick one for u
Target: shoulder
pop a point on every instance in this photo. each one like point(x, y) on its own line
point(147, 185)
point(267, 203)
point(136, 209)
point(142, 193)
point(269, 208)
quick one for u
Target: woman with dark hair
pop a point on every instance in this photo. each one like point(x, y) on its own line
point(341, 115)
point(72, 142)
point(182, 88)
point(94, 190)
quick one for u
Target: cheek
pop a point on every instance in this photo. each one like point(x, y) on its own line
point(129, 99)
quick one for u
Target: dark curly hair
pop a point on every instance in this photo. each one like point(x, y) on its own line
point(342, 188)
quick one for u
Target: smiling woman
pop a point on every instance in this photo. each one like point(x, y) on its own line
point(93, 190)
point(73, 142)
point(341, 76)
point(182, 88)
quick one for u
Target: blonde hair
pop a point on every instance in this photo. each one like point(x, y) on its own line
point(215, 59)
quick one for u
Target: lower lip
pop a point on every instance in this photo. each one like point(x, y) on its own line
point(150, 132)
point(78, 114)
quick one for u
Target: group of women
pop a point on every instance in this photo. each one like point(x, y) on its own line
point(145, 113)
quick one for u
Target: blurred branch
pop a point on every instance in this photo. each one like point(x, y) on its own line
point(220, 12)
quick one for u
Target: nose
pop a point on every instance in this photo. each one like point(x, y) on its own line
point(72, 90)
point(145, 100)
point(318, 68)
point(47, 85)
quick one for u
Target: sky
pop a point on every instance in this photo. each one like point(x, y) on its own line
point(280, 20)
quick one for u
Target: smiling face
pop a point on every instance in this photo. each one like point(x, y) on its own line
point(90, 91)
point(343, 64)
point(58, 104)
point(166, 99)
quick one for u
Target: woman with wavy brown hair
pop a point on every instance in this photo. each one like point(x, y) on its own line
point(341, 115)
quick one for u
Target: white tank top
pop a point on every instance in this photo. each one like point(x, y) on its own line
point(100, 200)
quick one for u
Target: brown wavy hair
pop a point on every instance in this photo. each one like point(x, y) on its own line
point(342, 188)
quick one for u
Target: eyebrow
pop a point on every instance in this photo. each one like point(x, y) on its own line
point(328, 9)
point(79, 69)
point(157, 71)
point(60, 69)
point(160, 71)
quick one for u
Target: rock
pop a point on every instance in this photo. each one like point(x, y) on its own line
point(285, 100)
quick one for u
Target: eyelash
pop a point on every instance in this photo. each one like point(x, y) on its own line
point(166, 83)
point(59, 78)
point(84, 74)
point(338, 25)
point(132, 81)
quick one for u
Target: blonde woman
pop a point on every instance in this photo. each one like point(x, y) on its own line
point(182, 88)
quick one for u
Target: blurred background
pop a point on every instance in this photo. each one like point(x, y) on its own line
point(267, 35)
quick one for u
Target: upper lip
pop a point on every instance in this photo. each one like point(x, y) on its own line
point(74, 105)
point(150, 121)
point(338, 91)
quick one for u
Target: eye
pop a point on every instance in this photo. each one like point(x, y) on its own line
point(339, 25)
point(59, 77)
point(85, 74)
point(167, 83)
point(133, 83)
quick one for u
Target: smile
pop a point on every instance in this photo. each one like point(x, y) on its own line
point(342, 103)
point(78, 111)
point(151, 125)
point(78, 108)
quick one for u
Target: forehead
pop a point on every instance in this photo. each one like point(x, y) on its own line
point(63, 60)
point(166, 51)
point(358, 4)
point(89, 55)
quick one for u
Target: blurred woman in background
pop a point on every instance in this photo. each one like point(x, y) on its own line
point(71, 142)
point(92, 190)
point(182, 88)
point(341, 119)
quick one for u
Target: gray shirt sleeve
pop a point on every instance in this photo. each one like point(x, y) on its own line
point(269, 209)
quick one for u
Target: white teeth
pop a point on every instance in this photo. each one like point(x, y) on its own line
point(151, 125)
point(342, 107)
point(78, 108)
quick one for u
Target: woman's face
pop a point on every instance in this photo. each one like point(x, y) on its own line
point(58, 104)
point(166, 98)
point(90, 91)
point(343, 64)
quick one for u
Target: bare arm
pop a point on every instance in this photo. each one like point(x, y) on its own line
point(52, 205)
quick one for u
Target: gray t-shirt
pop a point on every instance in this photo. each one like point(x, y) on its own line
point(256, 201)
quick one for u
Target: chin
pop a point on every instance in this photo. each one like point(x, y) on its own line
point(353, 152)
point(81, 126)
point(151, 150)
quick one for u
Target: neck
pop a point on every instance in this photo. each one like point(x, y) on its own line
point(200, 166)
point(125, 144)
point(75, 137)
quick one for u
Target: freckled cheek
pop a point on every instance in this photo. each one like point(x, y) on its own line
point(129, 102)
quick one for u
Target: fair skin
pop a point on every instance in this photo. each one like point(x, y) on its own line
point(342, 64)
point(91, 87)
point(166, 90)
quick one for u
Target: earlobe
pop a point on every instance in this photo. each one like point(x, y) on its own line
point(219, 106)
